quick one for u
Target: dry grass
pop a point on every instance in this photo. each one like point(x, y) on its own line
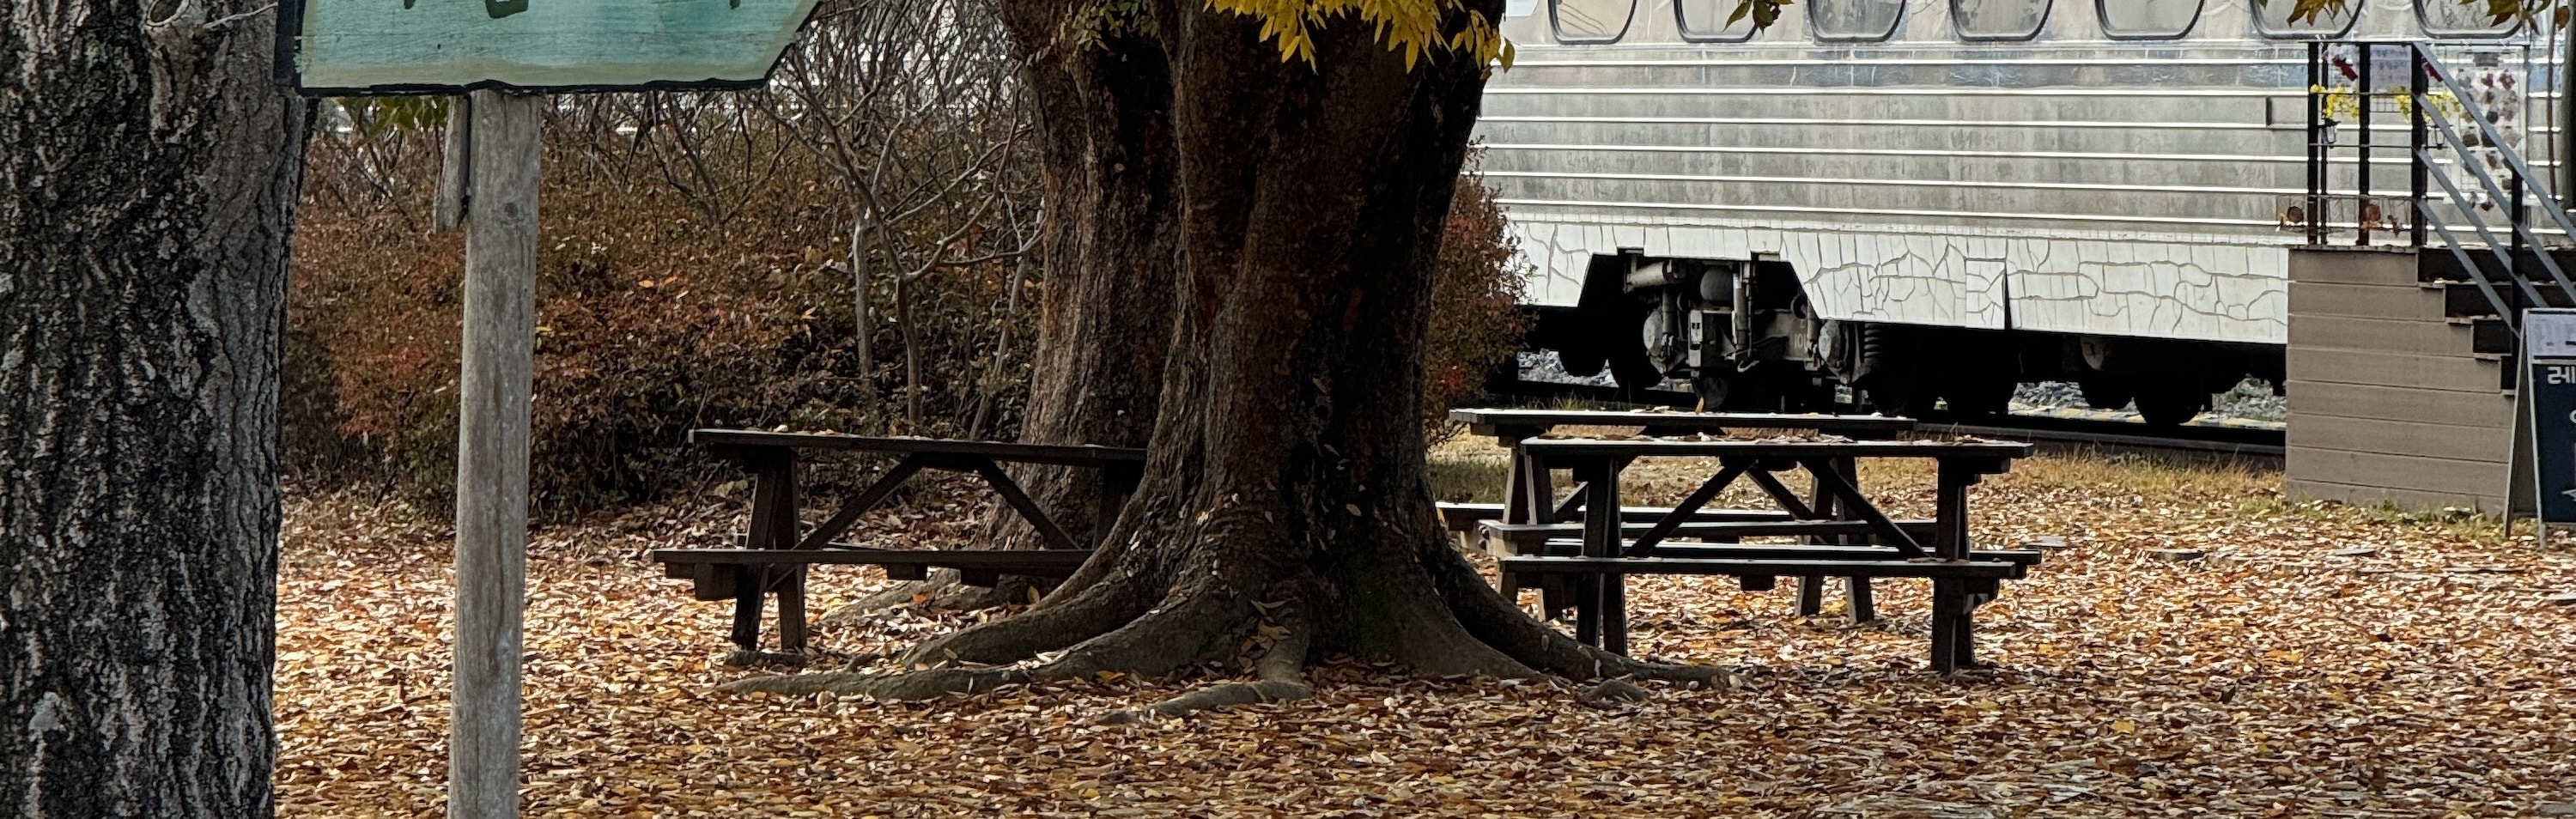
point(2426, 678)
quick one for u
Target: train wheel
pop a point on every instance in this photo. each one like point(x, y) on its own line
point(1711, 391)
point(1581, 363)
point(1911, 401)
point(1979, 396)
point(2102, 393)
point(1634, 369)
point(2169, 407)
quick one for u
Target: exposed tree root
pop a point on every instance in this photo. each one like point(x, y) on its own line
point(1612, 693)
point(867, 608)
point(1093, 611)
point(914, 685)
point(1465, 628)
point(1108, 634)
point(1423, 606)
point(946, 590)
point(1157, 642)
point(1279, 677)
point(746, 658)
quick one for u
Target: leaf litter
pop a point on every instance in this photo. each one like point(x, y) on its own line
point(2321, 660)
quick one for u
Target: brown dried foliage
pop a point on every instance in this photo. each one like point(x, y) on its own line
point(2286, 675)
point(693, 271)
point(1476, 322)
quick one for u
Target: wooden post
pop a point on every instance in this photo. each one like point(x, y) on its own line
point(455, 165)
point(492, 455)
point(1604, 531)
point(773, 526)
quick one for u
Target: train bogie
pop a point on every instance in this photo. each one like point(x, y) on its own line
point(1929, 201)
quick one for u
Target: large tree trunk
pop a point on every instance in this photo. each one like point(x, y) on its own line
point(1111, 245)
point(1286, 505)
point(1112, 186)
point(148, 175)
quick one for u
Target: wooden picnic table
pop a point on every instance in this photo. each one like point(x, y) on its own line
point(778, 548)
point(1612, 548)
point(1529, 494)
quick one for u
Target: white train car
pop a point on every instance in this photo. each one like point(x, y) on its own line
point(1921, 198)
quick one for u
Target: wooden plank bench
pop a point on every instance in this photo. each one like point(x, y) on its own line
point(1971, 583)
point(1961, 580)
point(1462, 518)
point(1755, 568)
point(1729, 551)
point(777, 545)
point(1556, 594)
point(1531, 423)
point(1529, 494)
point(1517, 539)
point(718, 573)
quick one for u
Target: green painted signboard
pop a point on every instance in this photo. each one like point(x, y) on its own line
point(446, 46)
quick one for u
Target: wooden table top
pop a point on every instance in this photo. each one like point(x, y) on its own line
point(1061, 454)
point(1488, 421)
point(1789, 448)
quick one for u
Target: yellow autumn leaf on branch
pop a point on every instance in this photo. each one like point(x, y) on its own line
point(1410, 26)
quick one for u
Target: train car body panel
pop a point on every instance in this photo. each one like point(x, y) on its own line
point(2090, 179)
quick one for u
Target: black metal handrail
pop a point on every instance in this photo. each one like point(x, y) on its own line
point(2429, 130)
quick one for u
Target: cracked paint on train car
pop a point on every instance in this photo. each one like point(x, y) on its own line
point(2114, 285)
point(2159, 289)
point(1902, 278)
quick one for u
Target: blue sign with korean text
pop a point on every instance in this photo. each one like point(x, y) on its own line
point(2549, 379)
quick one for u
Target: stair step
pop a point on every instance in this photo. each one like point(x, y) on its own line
point(2435, 264)
point(2463, 299)
point(2489, 334)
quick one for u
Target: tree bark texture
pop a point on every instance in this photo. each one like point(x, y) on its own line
point(148, 174)
point(1110, 251)
point(1286, 502)
point(1111, 246)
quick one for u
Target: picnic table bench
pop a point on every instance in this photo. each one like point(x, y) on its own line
point(1530, 496)
point(771, 557)
point(1471, 518)
point(1611, 548)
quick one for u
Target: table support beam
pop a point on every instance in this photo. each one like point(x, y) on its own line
point(1707, 491)
point(1835, 484)
point(859, 504)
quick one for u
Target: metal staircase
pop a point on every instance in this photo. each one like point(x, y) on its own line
point(2490, 232)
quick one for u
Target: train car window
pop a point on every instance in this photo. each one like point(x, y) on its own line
point(2452, 18)
point(2148, 19)
point(1998, 19)
point(1704, 21)
point(2273, 19)
point(1853, 19)
point(1590, 21)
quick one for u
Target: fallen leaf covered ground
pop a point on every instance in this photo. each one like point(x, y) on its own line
point(2319, 661)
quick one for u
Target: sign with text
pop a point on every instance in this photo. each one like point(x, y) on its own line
point(446, 46)
point(2549, 380)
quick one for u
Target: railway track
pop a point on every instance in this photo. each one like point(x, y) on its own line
point(2060, 428)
